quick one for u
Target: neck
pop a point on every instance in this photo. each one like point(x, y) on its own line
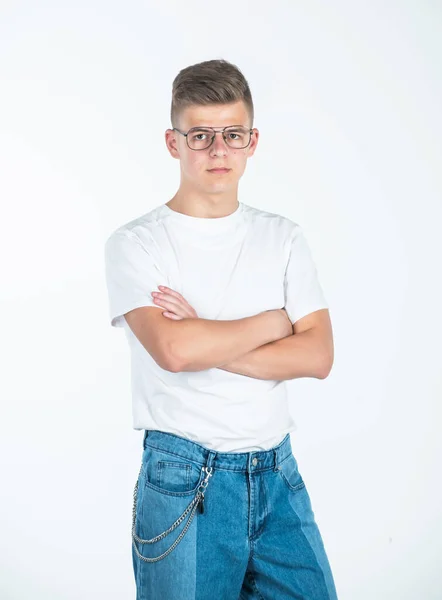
point(209, 206)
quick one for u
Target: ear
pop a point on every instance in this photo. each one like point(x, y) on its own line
point(253, 142)
point(172, 143)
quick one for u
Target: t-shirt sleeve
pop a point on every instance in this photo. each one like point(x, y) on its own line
point(132, 275)
point(302, 289)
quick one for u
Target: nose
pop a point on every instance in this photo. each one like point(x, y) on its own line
point(219, 144)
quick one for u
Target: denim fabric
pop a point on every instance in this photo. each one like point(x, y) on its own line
point(255, 539)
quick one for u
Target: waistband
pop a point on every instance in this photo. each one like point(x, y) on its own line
point(259, 460)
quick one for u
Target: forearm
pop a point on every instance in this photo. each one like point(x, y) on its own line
point(201, 344)
point(295, 356)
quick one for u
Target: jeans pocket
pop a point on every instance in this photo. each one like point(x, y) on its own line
point(171, 474)
point(289, 473)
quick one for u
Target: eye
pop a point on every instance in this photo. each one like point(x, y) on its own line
point(237, 135)
point(199, 135)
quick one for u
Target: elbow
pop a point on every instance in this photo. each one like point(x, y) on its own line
point(325, 367)
point(169, 365)
point(323, 374)
point(171, 361)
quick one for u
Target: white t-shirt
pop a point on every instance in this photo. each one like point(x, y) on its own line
point(226, 268)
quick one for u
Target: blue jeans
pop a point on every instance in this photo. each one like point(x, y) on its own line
point(242, 529)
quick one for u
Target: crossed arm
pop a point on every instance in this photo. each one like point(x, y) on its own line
point(306, 352)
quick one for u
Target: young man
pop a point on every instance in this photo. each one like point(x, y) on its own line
point(221, 304)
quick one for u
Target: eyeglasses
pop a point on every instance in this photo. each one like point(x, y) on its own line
point(200, 138)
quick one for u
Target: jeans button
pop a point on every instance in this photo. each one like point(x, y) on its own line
point(255, 462)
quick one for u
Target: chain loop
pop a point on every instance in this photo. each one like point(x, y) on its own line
point(191, 507)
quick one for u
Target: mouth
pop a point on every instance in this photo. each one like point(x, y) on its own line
point(220, 171)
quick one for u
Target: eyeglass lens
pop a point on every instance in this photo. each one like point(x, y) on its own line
point(199, 138)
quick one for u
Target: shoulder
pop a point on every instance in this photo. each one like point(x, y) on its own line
point(272, 223)
point(141, 229)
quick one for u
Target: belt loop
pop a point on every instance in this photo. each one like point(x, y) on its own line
point(210, 458)
point(144, 439)
point(275, 466)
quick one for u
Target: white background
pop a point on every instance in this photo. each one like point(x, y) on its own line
point(347, 101)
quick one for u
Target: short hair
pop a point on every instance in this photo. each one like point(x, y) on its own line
point(210, 82)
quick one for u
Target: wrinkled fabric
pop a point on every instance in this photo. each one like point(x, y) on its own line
point(256, 538)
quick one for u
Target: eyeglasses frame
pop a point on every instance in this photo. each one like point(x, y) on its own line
point(214, 129)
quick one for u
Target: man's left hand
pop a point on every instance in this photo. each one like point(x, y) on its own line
point(176, 306)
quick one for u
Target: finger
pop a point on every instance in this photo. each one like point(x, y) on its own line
point(162, 297)
point(173, 305)
point(173, 296)
point(171, 315)
point(170, 292)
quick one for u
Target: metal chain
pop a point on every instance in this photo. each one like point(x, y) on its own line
point(194, 503)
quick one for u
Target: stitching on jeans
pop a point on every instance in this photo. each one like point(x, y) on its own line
point(183, 494)
point(219, 454)
point(293, 488)
point(173, 454)
point(265, 470)
point(217, 468)
point(162, 464)
point(254, 586)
